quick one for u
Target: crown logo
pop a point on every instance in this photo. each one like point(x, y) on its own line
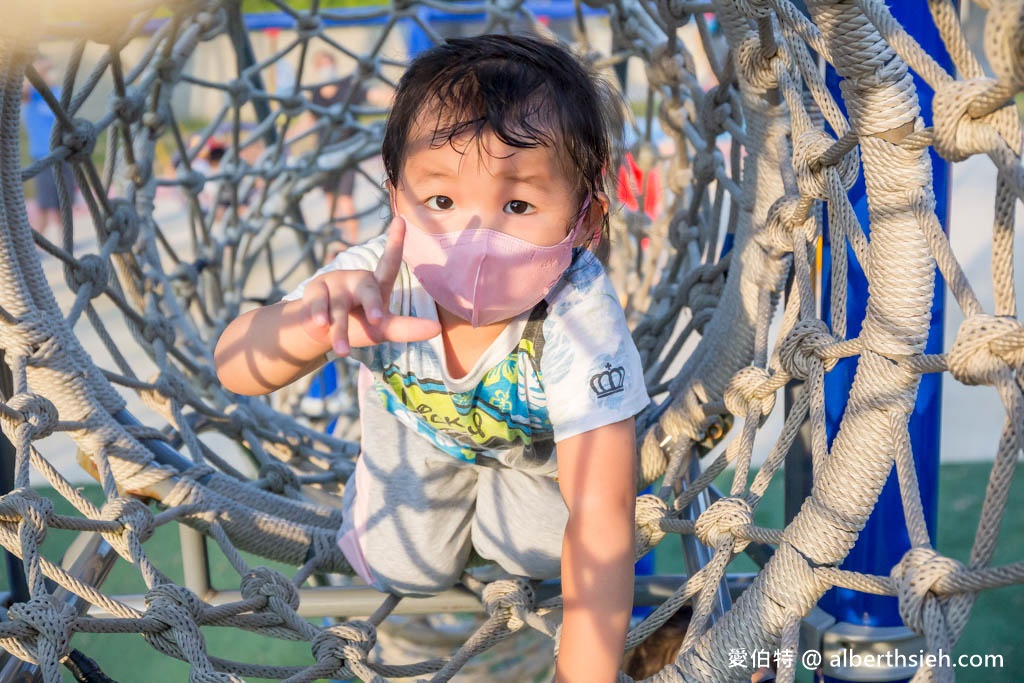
point(608, 382)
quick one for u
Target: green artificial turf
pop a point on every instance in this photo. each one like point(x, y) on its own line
point(994, 626)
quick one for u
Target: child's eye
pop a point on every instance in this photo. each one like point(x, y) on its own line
point(439, 202)
point(519, 207)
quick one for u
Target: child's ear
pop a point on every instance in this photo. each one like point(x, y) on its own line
point(390, 189)
point(595, 220)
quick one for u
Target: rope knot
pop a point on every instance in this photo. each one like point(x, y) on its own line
point(801, 348)
point(265, 582)
point(185, 281)
point(650, 510)
point(681, 233)
point(511, 597)
point(168, 68)
point(51, 620)
point(808, 150)
point(173, 605)
point(79, 140)
point(787, 226)
point(293, 105)
point(308, 26)
point(122, 221)
point(134, 515)
point(958, 135)
point(913, 577)
point(154, 328)
point(717, 525)
point(715, 110)
point(35, 512)
point(675, 13)
point(191, 181)
point(172, 385)
point(155, 121)
point(667, 67)
point(705, 165)
point(985, 347)
point(750, 392)
point(93, 271)
point(347, 642)
point(38, 416)
point(20, 501)
point(367, 67)
point(239, 91)
point(128, 109)
point(754, 67)
point(279, 478)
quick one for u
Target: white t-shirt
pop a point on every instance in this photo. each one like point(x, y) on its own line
point(564, 368)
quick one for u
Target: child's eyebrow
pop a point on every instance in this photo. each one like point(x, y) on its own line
point(524, 178)
point(431, 174)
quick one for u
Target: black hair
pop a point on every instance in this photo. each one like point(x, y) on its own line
point(529, 92)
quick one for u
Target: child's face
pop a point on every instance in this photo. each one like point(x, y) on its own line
point(484, 183)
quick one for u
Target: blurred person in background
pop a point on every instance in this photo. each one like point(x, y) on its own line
point(328, 89)
point(39, 120)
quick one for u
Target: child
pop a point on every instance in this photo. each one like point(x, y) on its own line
point(500, 380)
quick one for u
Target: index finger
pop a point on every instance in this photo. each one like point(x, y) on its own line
point(391, 260)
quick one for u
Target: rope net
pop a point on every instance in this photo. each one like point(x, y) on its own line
point(106, 326)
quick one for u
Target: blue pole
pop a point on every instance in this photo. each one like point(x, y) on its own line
point(645, 566)
point(884, 539)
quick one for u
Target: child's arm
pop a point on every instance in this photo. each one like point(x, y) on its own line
point(597, 476)
point(269, 347)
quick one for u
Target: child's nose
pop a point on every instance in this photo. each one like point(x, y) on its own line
point(476, 220)
point(488, 220)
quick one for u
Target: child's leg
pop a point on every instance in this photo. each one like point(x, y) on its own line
point(408, 508)
point(519, 522)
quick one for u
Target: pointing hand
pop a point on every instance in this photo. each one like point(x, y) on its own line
point(348, 309)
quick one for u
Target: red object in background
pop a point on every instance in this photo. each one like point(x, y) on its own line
point(272, 32)
point(634, 185)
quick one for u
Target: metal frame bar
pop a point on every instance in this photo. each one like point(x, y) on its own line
point(353, 601)
point(696, 555)
point(16, 578)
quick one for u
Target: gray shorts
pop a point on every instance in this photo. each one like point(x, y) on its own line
point(412, 513)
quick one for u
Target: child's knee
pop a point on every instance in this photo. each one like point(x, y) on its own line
point(521, 556)
point(532, 563)
point(391, 568)
point(410, 581)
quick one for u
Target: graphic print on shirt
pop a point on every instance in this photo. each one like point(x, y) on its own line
point(494, 415)
point(607, 382)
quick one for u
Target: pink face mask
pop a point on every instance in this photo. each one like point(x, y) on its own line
point(485, 276)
